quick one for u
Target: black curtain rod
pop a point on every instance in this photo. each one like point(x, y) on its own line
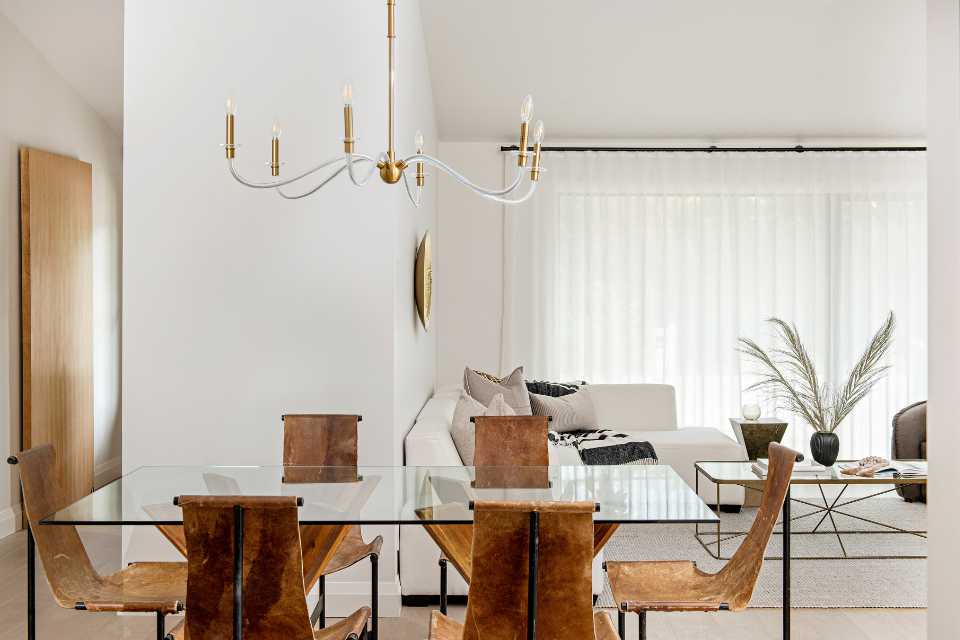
point(796, 149)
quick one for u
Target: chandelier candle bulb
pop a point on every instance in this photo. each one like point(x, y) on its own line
point(418, 144)
point(348, 127)
point(275, 150)
point(537, 140)
point(526, 110)
point(230, 147)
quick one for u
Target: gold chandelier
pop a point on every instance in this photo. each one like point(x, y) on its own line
point(360, 167)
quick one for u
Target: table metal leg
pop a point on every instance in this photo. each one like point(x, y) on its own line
point(786, 565)
point(374, 596)
point(532, 575)
point(718, 519)
point(622, 624)
point(237, 572)
point(443, 585)
point(161, 627)
point(31, 586)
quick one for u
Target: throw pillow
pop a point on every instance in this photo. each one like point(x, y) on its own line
point(572, 412)
point(464, 432)
point(483, 387)
point(554, 389)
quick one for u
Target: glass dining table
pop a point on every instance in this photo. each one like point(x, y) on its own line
point(366, 495)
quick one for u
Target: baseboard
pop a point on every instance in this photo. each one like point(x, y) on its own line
point(9, 520)
point(343, 598)
point(106, 472)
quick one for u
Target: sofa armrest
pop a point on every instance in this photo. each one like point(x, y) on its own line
point(429, 444)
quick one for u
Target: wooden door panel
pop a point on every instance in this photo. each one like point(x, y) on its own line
point(56, 218)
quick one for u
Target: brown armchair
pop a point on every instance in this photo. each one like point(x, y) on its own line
point(678, 585)
point(142, 587)
point(501, 442)
point(246, 572)
point(326, 440)
point(512, 541)
point(909, 442)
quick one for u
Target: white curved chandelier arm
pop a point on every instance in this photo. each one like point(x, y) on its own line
point(322, 184)
point(278, 183)
point(414, 199)
point(529, 194)
point(351, 159)
point(419, 157)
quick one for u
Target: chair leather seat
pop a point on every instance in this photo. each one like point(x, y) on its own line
point(670, 585)
point(341, 630)
point(142, 587)
point(351, 550)
point(445, 628)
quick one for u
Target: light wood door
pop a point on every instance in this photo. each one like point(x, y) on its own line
point(56, 219)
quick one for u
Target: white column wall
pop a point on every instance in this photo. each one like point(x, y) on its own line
point(240, 306)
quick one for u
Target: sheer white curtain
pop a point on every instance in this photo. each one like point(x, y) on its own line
point(646, 267)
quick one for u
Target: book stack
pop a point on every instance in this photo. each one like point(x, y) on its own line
point(806, 466)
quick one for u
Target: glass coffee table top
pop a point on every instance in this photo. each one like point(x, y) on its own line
point(742, 472)
point(394, 495)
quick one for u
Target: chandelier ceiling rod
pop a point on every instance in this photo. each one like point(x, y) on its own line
point(360, 167)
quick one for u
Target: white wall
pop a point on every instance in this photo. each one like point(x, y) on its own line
point(240, 306)
point(468, 277)
point(943, 198)
point(39, 109)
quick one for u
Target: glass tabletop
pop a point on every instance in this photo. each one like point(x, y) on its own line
point(724, 472)
point(394, 495)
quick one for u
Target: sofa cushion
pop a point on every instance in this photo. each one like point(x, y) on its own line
point(554, 389)
point(572, 412)
point(484, 386)
point(634, 407)
point(607, 447)
point(464, 431)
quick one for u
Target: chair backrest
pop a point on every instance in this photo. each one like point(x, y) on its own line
point(634, 407)
point(739, 576)
point(497, 602)
point(511, 441)
point(320, 440)
point(64, 558)
point(274, 603)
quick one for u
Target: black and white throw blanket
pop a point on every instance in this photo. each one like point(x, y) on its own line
point(605, 446)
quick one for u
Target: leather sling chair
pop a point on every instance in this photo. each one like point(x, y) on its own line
point(500, 442)
point(245, 572)
point(142, 587)
point(532, 575)
point(325, 440)
point(671, 585)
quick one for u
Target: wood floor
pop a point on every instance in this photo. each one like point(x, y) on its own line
point(755, 624)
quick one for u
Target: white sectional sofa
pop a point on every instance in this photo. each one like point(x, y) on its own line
point(645, 410)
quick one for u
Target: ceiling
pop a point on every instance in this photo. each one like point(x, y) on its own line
point(607, 69)
point(83, 41)
point(679, 68)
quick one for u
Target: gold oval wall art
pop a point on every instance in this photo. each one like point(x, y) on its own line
point(423, 281)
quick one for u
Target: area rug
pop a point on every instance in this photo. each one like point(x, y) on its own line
point(817, 583)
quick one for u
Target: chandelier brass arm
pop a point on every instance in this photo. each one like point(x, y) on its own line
point(390, 167)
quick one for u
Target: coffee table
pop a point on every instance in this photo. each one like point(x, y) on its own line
point(742, 474)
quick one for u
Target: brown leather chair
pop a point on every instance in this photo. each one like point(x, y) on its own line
point(501, 442)
point(325, 440)
point(142, 587)
point(677, 585)
point(512, 541)
point(268, 602)
point(909, 442)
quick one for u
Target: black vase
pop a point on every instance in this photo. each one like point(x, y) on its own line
point(825, 447)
